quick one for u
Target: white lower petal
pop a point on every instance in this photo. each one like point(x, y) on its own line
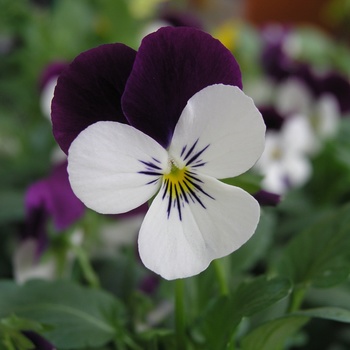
point(106, 170)
point(177, 248)
point(221, 128)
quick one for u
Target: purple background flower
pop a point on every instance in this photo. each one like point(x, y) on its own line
point(51, 198)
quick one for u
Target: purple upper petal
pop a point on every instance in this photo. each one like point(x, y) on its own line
point(170, 67)
point(90, 90)
point(51, 198)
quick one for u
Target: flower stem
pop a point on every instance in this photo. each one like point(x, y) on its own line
point(296, 299)
point(180, 320)
point(88, 271)
point(220, 275)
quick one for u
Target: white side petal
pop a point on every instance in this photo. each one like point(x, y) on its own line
point(105, 165)
point(224, 123)
point(177, 248)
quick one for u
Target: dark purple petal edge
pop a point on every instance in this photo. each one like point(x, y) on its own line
point(172, 65)
point(90, 90)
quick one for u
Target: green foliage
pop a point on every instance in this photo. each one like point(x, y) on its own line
point(328, 313)
point(274, 334)
point(302, 243)
point(320, 256)
point(250, 182)
point(11, 335)
point(219, 321)
point(257, 247)
point(11, 205)
point(75, 316)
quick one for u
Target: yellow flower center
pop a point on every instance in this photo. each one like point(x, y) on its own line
point(178, 181)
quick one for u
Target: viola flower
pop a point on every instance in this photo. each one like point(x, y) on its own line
point(189, 125)
point(284, 162)
point(275, 59)
point(47, 199)
point(51, 198)
point(321, 113)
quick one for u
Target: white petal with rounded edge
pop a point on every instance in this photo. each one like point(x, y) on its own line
point(226, 121)
point(104, 164)
point(177, 248)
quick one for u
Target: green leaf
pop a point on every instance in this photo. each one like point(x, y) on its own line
point(219, 321)
point(320, 255)
point(215, 325)
point(77, 316)
point(256, 248)
point(16, 323)
point(342, 145)
point(15, 341)
point(328, 313)
point(11, 205)
point(249, 181)
point(273, 334)
point(11, 332)
point(258, 294)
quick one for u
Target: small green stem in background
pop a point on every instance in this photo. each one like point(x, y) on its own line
point(296, 299)
point(220, 275)
point(88, 271)
point(180, 319)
